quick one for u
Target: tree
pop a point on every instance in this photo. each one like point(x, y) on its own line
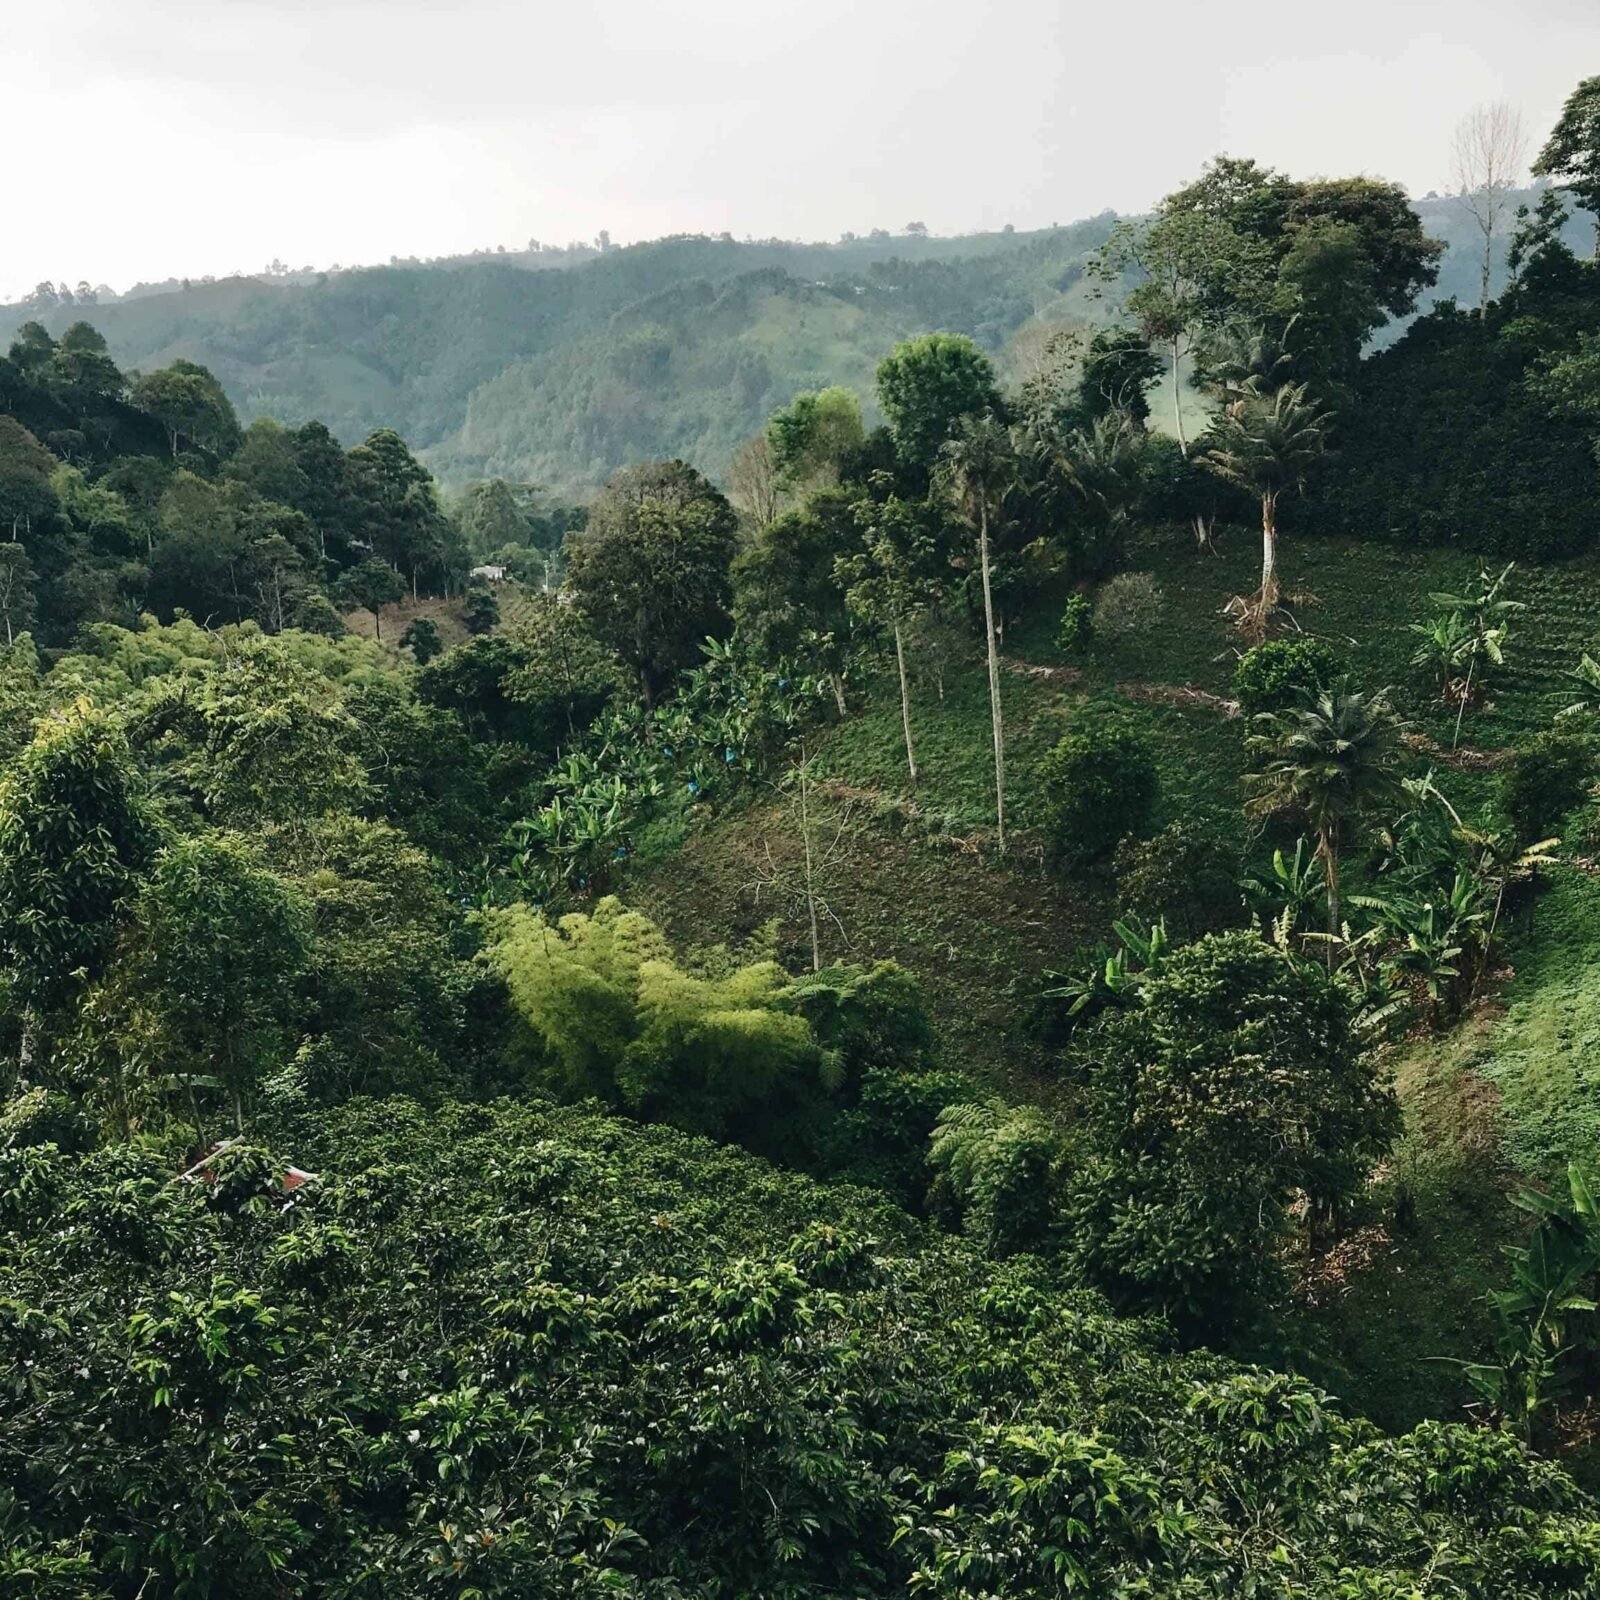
point(979, 467)
point(650, 572)
point(25, 472)
point(1571, 155)
point(753, 485)
point(370, 587)
point(621, 1021)
point(1266, 444)
point(1097, 786)
point(1177, 258)
point(401, 516)
point(811, 439)
point(422, 639)
point(221, 940)
point(1329, 763)
point(16, 593)
point(1488, 152)
point(897, 575)
point(191, 405)
point(482, 609)
point(1238, 1084)
point(75, 836)
point(926, 386)
point(787, 602)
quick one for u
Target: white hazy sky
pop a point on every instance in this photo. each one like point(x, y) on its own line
point(150, 138)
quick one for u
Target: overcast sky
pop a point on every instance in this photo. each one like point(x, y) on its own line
point(150, 138)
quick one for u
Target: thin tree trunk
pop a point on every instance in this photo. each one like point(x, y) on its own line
point(1177, 400)
point(905, 701)
point(994, 680)
point(1268, 601)
point(1330, 877)
point(1483, 285)
point(1466, 694)
point(805, 839)
point(836, 683)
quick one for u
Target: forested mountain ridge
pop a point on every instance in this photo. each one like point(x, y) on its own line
point(511, 367)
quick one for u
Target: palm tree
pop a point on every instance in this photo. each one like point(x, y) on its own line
point(978, 467)
point(1243, 360)
point(1266, 443)
point(1328, 763)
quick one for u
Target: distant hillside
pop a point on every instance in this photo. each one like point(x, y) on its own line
point(535, 366)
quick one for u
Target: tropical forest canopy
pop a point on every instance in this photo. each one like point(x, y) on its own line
point(978, 979)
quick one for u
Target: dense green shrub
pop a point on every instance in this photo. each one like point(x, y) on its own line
point(1546, 779)
point(1128, 608)
point(1186, 874)
point(521, 1351)
point(1076, 632)
point(1238, 1086)
point(618, 1019)
point(1282, 673)
point(1097, 786)
point(45, 1116)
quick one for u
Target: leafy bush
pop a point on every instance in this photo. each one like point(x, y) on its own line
point(1186, 874)
point(1547, 778)
point(1236, 1087)
point(45, 1116)
point(619, 1020)
point(1129, 608)
point(1098, 786)
point(997, 1165)
point(1076, 632)
point(1282, 673)
point(528, 1350)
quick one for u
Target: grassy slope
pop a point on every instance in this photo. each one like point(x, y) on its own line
point(1508, 1094)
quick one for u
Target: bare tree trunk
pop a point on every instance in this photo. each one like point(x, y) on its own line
point(905, 701)
point(1330, 879)
point(1488, 265)
point(805, 839)
point(1177, 400)
point(994, 680)
point(1269, 558)
point(836, 683)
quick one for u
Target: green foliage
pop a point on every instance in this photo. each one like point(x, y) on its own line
point(422, 639)
point(220, 939)
point(1283, 673)
point(1128, 609)
point(1547, 778)
point(997, 1169)
point(1096, 787)
point(650, 570)
point(1186, 874)
point(421, 1386)
point(1076, 633)
point(1571, 155)
point(75, 835)
point(926, 385)
point(1238, 1084)
point(39, 1116)
point(621, 1021)
point(482, 610)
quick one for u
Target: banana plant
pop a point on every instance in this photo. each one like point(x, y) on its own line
point(1552, 1279)
point(1115, 977)
point(1292, 884)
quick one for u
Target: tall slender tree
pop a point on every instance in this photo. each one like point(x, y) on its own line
point(1490, 147)
point(979, 467)
point(1266, 444)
